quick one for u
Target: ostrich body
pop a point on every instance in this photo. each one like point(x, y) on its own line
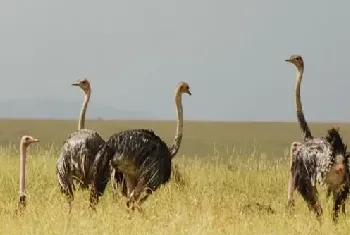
point(24, 144)
point(320, 160)
point(142, 157)
point(78, 152)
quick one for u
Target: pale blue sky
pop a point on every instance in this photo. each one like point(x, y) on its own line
point(135, 52)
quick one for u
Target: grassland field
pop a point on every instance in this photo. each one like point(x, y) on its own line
point(234, 181)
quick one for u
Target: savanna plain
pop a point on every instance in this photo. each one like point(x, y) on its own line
point(233, 180)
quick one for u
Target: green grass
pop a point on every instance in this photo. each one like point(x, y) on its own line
point(227, 169)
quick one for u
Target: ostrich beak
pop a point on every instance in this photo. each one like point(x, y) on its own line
point(188, 92)
point(287, 60)
point(35, 140)
point(75, 84)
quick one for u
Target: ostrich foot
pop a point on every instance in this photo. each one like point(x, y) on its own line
point(132, 205)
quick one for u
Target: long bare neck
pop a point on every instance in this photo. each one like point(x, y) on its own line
point(81, 123)
point(175, 146)
point(22, 171)
point(299, 108)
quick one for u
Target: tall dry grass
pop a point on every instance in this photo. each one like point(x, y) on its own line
point(226, 193)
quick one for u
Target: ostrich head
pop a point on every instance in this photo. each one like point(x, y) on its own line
point(84, 84)
point(26, 140)
point(183, 87)
point(294, 147)
point(297, 60)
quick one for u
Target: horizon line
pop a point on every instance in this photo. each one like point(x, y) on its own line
point(167, 120)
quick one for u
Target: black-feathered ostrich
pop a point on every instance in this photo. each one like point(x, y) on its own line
point(142, 156)
point(23, 147)
point(117, 178)
point(79, 152)
point(317, 159)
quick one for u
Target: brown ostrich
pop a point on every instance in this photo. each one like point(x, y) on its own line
point(24, 144)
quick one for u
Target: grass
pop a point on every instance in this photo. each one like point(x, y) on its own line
point(235, 181)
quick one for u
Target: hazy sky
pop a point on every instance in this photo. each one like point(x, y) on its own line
point(136, 51)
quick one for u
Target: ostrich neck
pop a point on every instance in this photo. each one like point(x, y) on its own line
point(179, 126)
point(298, 104)
point(22, 169)
point(81, 123)
point(299, 107)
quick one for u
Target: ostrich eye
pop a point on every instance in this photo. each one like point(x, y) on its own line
point(26, 139)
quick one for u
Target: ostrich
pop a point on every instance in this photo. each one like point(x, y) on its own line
point(24, 144)
point(78, 153)
point(143, 157)
point(117, 178)
point(294, 146)
point(317, 159)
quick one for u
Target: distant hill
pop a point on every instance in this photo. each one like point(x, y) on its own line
point(49, 108)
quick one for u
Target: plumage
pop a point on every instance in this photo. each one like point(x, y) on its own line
point(117, 178)
point(317, 155)
point(142, 157)
point(141, 153)
point(76, 159)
